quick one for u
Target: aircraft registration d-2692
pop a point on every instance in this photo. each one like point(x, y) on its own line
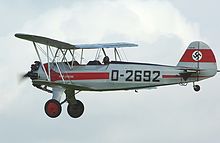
point(64, 74)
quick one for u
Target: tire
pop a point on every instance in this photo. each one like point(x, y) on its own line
point(52, 108)
point(196, 88)
point(75, 110)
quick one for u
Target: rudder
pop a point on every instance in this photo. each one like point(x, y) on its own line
point(199, 56)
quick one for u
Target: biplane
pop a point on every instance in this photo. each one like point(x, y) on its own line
point(61, 74)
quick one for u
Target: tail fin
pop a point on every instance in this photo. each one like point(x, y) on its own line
point(199, 56)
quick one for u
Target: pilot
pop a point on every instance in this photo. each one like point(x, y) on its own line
point(75, 63)
point(106, 60)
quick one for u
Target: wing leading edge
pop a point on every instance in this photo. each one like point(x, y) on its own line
point(54, 84)
point(64, 45)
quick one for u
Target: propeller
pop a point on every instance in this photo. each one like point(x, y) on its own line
point(31, 74)
point(27, 75)
point(22, 77)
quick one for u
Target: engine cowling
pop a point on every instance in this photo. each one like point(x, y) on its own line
point(33, 74)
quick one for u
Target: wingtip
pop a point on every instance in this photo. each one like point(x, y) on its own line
point(17, 35)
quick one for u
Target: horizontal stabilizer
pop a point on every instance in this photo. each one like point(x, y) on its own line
point(185, 73)
point(189, 69)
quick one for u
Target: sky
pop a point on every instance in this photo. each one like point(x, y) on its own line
point(162, 29)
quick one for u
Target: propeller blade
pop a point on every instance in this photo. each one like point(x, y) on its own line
point(22, 77)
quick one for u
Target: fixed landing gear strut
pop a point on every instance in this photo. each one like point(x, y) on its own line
point(75, 107)
point(196, 87)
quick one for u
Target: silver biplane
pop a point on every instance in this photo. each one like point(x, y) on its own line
point(62, 73)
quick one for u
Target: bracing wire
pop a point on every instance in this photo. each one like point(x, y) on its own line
point(124, 54)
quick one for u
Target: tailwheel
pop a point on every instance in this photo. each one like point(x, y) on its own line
point(53, 108)
point(75, 110)
point(196, 88)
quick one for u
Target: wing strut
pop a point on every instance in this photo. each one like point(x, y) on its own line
point(81, 58)
point(104, 52)
point(48, 61)
point(40, 60)
point(116, 54)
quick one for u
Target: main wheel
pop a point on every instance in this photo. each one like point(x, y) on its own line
point(196, 88)
point(75, 110)
point(53, 108)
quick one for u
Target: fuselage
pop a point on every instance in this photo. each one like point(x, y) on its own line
point(118, 75)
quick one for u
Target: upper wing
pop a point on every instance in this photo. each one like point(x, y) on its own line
point(45, 41)
point(106, 45)
point(64, 45)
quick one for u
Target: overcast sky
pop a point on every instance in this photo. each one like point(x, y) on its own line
point(162, 28)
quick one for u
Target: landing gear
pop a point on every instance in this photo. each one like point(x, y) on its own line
point(196, 88)
point(53, 108)
point(76, 109)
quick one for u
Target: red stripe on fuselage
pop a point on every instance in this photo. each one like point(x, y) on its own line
point(207, 56)
point(80, 76)
point(170, 76)
point(77, 75)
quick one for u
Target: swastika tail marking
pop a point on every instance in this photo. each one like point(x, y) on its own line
point(197, 55)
